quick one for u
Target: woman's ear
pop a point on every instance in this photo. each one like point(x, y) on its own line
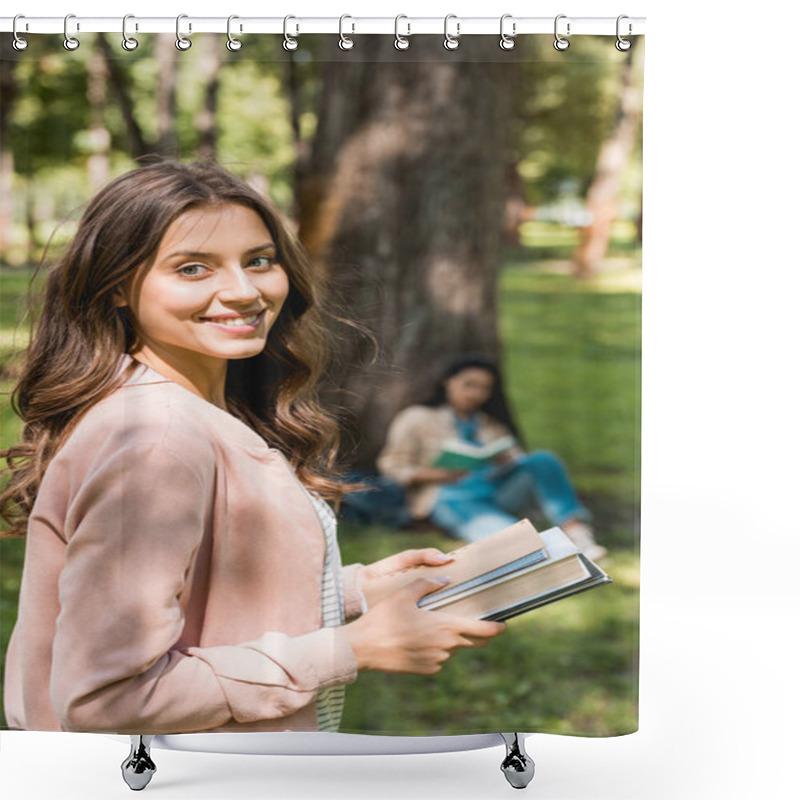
point(120, 299)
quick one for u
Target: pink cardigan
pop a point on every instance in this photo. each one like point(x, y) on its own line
point(172, 579)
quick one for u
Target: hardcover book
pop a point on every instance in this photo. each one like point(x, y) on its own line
point(463, 455)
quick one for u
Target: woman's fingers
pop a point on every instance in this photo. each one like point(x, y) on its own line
point(430, 556)
point(483, 628)
point(422, 586)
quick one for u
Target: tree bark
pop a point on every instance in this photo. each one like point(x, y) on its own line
point(603, 194)
point(403, 206)
point(166, 102)
point(206, 117)
point(137, 145)
point(100, 139)
point(9, 89)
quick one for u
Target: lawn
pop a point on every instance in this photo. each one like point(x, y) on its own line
point(571, 358)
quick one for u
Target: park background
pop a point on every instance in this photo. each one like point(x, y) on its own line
point(476, 201)
point(719, 325)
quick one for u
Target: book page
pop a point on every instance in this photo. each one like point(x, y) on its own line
point(476, 558)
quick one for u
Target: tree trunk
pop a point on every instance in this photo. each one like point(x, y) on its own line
point(99, 137)
point(137, 146)
point(9, 90)
point(601, 199)
point(206, 117)
point(301, 149)
point(31, 256)
point(403, 206)
point(166, 102)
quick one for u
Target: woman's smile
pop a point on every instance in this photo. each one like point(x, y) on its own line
point(236, 323)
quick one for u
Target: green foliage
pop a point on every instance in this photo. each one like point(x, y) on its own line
point(53, 131)
point(46, 119)
point(566, 105)
point(258, 138)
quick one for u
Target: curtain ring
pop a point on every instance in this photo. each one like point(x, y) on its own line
point(181, 42)
point(451, 42)
point(128, 42)
point(623, 44)
point(70, 42)
point(507, 41)
point(560, 43)
point(345, 42)
point(233, 44)
point(19, 43)
point(401, 42)
point(288, 42)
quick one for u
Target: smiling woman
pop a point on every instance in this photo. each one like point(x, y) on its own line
point(172, 474)
point(215, 299)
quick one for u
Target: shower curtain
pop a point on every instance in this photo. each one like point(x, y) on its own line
point(475, 200)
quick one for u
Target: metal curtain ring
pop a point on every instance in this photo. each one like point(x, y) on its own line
point(288, 42)
point(560, 43)
point(19, 43)
point(451, 42)
point(181, 42)
point(507, 41)
point(401, 42)
point(345, 42)
point(623, 44)
point(70, 42)
point(233, 44)
point(128, 42)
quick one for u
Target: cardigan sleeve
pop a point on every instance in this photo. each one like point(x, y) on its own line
point(355, 604)
point(403, 453)
point(133, 530)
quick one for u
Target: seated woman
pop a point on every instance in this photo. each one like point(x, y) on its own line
point(468, 405)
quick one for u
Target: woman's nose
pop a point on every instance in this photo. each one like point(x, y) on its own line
point(237, 285)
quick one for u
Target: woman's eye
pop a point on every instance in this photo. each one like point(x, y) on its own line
point(263, 261)
point(192, 270)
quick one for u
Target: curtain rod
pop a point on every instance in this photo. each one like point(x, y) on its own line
point(74, 25)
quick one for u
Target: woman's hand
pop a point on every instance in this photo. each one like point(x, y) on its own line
point(506, 457)
point(370, 577)
point(398, 636)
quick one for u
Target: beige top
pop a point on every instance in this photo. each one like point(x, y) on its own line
point(172, 578)
point(415, 440)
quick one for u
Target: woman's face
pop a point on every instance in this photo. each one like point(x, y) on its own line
point(468, 390)
point(214, 290)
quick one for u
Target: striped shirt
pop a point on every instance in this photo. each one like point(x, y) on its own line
point(330, 701)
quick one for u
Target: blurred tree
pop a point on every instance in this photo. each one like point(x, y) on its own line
point(120, 81)
point(205, 119)
point(166, 88)
point(9, 88)
point(615, 152)
point(98, 138)
point(402, 202)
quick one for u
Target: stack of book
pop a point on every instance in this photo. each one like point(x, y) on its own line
point(510, 573)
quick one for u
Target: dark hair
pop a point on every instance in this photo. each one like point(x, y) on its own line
point(72, 361)
point(496, 406)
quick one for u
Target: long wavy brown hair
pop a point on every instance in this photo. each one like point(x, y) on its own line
point(72, 361)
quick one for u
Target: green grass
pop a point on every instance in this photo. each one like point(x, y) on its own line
point(571, 357)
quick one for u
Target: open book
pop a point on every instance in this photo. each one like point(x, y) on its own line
point(514, 571)
point(457, 454)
